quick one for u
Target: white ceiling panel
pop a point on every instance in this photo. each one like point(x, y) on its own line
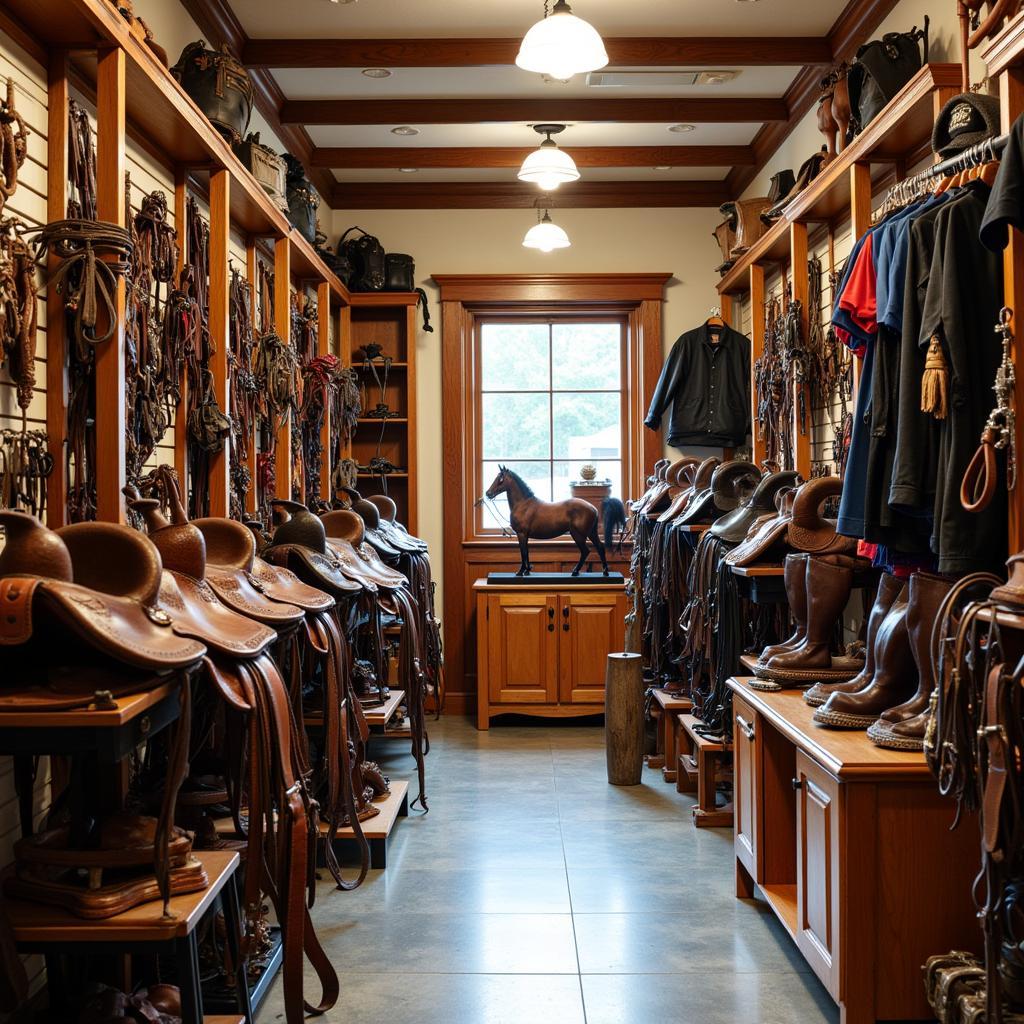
point(589, 133)
point(508, 174)
point(459, 18)
point(484, 83)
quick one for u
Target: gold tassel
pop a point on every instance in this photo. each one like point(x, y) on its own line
point(935, 382)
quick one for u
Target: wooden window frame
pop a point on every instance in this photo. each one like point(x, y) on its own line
point(548, 316)
point(464, 297)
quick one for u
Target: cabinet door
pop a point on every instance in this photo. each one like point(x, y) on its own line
point(747, 787)
point(817, 877)
point(522, 648)
point(590, 627)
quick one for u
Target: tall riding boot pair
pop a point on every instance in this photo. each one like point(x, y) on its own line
point(903, 727)
point(893, 681)
point(818, 588)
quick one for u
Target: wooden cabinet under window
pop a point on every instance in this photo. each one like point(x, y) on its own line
point(849, 844)
point(543, 651)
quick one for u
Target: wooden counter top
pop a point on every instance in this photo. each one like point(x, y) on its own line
point(847, 754)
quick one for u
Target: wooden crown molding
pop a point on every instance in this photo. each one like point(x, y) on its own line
point(852, 28)
point(471, 111)
point(218, 22)
point(470, 288)
point(479, 195)
point(477, 52)
point(390, 157)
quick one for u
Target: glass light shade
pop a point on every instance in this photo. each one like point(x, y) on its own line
point(548, 167)
point(561, 46)
point(546, 236)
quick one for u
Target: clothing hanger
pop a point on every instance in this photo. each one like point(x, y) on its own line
point(715, 319)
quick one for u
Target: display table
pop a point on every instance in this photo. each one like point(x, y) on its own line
point(850, 846)
point(541, 650)
point(666, 755)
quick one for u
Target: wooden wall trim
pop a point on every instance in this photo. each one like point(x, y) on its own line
point(641, 296)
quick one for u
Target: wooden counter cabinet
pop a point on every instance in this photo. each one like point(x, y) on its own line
point(850, 846)
point(543, 651)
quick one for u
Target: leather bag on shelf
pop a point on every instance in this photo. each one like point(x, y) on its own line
point(881, 69)
point(366, 256)
point(303, 202)
point(219, 85)
point(266, 166)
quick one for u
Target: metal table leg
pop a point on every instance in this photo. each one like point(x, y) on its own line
point(186, 954)
point(233, 929)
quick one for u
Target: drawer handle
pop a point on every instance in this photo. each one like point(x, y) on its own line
point(551, 613)
point(551, 627)
point(745, 726)
point(798, 784)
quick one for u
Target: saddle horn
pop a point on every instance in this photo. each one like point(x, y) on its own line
point(30, 549)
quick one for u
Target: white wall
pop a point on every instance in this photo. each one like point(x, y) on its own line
point(678, 241)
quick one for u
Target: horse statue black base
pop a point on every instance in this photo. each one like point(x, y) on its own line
point(544, 520)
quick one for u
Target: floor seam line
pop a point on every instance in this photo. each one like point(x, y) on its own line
point(568, 889)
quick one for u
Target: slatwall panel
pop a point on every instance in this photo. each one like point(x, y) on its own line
point(29, 204)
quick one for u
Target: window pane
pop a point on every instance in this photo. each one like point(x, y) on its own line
point(537, 476)
point(516, 426)
point(514, 357)
point(566, 472)
point(586, 357)
point(587, 426)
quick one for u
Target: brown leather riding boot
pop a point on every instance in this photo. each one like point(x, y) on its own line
point(795, 577)
point(903, 727)
point(894, 680)
point(828, 588)
point(889, 587)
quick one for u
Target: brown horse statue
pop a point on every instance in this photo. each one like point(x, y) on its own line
point(545, 520)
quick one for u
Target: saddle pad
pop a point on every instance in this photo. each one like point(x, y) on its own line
point(196, 612)
point(119, 627)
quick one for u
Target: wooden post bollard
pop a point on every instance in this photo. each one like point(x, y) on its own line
point(624, 719)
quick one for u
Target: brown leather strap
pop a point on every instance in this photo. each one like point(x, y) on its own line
point(994, 734)
point(16, 594)
point(981, 479)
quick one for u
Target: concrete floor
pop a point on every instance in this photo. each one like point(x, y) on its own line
point(534, 892)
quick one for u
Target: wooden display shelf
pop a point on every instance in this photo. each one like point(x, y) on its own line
point(378, 420)
point(699, 769)
point(844, 753)
point(36, 925)
point(380, 717)
point(109, 733)
point(391, 476)
point(358, 364)
point(781, 897)
point(901, 130)
point(377, 830)
point(751, 571)
point(748, 661)
point(222, 1018)
point(1005, 50)
point(666, 756)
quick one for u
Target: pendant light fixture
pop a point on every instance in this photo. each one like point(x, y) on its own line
point(562, 45)
point(548, 166)
point(545, 235)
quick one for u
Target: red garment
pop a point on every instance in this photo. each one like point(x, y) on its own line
point(860, 298)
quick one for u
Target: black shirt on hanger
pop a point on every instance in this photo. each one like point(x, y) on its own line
point(706, 385)
point(1006, 204)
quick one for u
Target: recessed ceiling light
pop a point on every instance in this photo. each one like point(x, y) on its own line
point(681, 129)
point(716, 77)
point(404, 129)
point(376, 72)
point(662, 167)
point(407, 170)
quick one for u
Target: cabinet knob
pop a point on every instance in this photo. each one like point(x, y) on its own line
point(551, 627)
point(798, 784)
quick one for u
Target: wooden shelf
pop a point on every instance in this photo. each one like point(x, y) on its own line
point(754, 571)
point(222, 1018)
point(390, 476)
point(1005, 50)
point(401, 421)
point(782, 899)
point(36, 924)
point(901, 130)
point(748, 661)
point(844, 753)
point(670, 703)
point(358, 364)
point(371, 299)
point(382, 715)
point(124, 710)
point(378, 827)
point(691, 724)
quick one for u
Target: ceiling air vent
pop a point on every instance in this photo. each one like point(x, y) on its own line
point(656, 79)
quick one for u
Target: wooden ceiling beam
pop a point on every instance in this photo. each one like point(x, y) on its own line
point(512, 156)
point(730, 110)
point(469, 53)
point(476, 195)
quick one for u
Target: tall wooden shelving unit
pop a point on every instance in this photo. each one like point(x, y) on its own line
point(896, 140)
point(89, 44)
point(387, 319)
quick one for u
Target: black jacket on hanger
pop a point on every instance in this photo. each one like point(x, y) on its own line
point(707, 387)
